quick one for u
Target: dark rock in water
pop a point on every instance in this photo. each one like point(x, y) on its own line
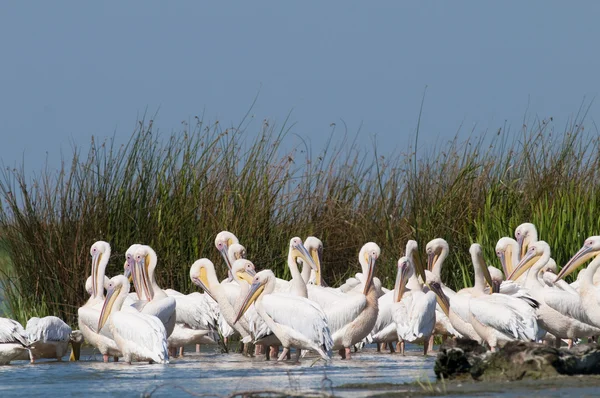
point(515, 361)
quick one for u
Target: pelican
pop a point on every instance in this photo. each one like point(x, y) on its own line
point(202, 274)
point(437, 251)
point(499, 317)
point(50, 337)
point(158, 304)
point(297, 285)
point(89, 313)
point(13, 341)
point(352, 316)
point(584, 307)
point(139, 336)
point(507, 250)
point(525, 234)
point(223, 240)
point(556, 318)
point(314, 247)
point(296, 321)
point(89, 282)
point(413, 310)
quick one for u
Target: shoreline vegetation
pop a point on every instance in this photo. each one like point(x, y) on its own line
point(176, 191)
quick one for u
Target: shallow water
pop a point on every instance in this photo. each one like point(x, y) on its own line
point(211, 373)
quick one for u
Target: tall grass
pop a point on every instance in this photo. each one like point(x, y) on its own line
point(176, 191)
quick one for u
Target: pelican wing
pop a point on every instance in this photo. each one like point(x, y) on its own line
point(12, 332)
point(567, 304)
point(146, 332)
point(511, 316)
point(344, 310)
point(194, 312)
point(421, 316)
point(49, 328)
point(301, 315)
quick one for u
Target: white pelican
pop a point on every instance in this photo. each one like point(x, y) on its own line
point(314, 247)
point(437, 251)
point(584, 307)
point(297, 285)
point(507, 250)
point(139, 336)
point(50, 337)
point(525, 234)
point(13, 341)
point(296, 321)
point(413, 309)
point(223, 240)
point(499, 317)
point(558, 320)
point(89, 314)
point(352, 316)
point(202, 274)
point(158, 304)
point(89, 284)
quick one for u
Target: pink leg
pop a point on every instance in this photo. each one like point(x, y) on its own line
point(197, 348)
point(348, 350)
point(105, 358)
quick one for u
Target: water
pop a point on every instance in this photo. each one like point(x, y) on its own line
point(214, 374)
point(211, 373)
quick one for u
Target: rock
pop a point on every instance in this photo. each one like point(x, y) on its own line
point(515, 361)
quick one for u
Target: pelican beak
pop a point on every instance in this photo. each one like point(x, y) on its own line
point(95, 261)
point(431, 260)
point(584, 254)
point(496, 286)
point(442, 299)
point(202, 282)
point(526, 262)
point(400, 285)
point(502, 257)
point(111, 297)
point(224, 252)
point(486, 274)
point(256, 288)
point(419, 265)
point(247, 275)
point(141, 280)
point(300, 252)
point(316, 257)
point(523, 243)
point(372, 261)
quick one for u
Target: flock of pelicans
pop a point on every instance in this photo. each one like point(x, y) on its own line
point(532, 304)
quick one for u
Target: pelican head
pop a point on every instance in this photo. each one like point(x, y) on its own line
point(368, 256)
point(479, 262)
point(89, 284)
point(534, 253)
point(199, 274)
point(244, 270)
point(118, 288)
point(298, 251)
point(591, 248)
point(434, 250)
point(504, 250)
point(259, 283)
point(236, 251)
point(441, 297)
point(551, 266)
point(525, 234)
point(497, 278)
point(405, 271)
point(314, 246)
point(223, 240)
point(99, 251)
point(143, 270)
point(130, 262)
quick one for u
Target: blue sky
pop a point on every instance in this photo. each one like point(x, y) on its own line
point(70, 70)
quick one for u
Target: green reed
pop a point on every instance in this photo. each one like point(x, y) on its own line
point(176, 191)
